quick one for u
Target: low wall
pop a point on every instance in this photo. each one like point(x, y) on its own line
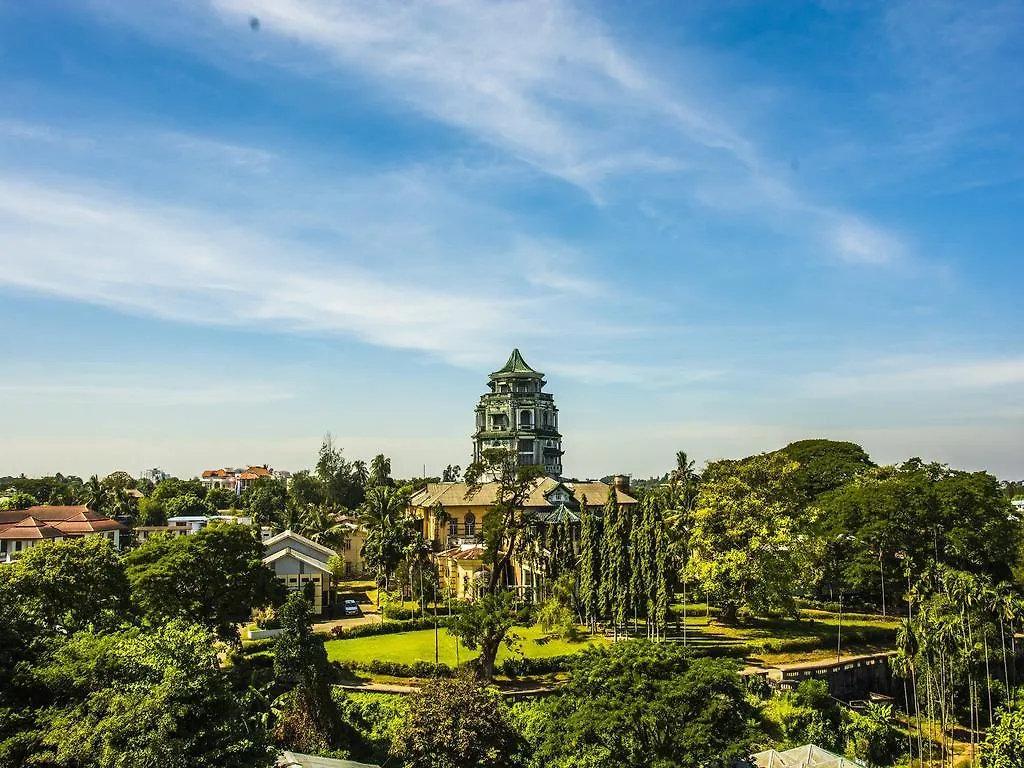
point(847, 680)
point(261, 634)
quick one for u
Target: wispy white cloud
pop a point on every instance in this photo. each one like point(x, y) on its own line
point(219, 152)
point(131, 394)
point(92, 245)
point(546, 82)
point(921, 375)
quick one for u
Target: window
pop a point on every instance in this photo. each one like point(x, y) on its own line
point(526, 418)
point(470, 524)
point(453, 527)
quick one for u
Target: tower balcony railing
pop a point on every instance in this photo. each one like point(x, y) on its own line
point(458, 541)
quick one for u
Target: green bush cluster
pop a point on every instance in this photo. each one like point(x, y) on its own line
point(519, 667)
point(387, 628)
point(398, 669)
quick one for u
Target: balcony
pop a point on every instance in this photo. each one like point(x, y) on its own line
point(457, 541)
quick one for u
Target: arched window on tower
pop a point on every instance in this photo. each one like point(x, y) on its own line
point(470, 524)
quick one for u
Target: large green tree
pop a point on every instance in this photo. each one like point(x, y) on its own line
point(264, 499)
point(824, 465)
point(457, 724)
point(897, 520)
point(389, 530)
point(745, 548)
point(215, 577)
point(309, 720)
point(139, 698)
point(72, 584)
point(638, 703)
point(589, 564)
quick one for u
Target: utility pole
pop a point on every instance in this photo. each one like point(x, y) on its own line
point(839, 637)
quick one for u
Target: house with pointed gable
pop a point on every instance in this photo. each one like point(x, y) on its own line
point(300, 563)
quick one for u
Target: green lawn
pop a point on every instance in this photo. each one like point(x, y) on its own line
point(408, 647)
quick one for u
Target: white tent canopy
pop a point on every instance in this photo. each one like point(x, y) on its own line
point(808, 756)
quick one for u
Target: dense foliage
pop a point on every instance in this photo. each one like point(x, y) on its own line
point(638, 703)
point(215, 577)
point(457, 724)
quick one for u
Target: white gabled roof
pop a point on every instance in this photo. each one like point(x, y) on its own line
point(320, 565)
point(292, 535)
point(807, 756)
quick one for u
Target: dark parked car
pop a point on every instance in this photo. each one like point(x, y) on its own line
point(351, 608)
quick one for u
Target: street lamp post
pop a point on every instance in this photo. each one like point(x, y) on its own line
point(839, 636)
point(881, 572)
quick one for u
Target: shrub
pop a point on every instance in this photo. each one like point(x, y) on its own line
point(399, 613)
point(519, 667)
point(398, 669)
point(250, 647)
point(387, 628)
point(266, 618)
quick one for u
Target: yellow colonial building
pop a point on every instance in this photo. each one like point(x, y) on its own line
point(453, 513)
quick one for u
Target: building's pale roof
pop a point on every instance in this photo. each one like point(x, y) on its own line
point(807, 756)
point(320, 565)
point(299, 760)
point(469, 552)
point(560, 515)
point(455, 494)
point(289, 534)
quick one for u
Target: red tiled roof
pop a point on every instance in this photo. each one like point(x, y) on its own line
point(30, 528)
point(66, 520)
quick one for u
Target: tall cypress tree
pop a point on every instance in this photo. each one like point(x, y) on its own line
point(640, 560)
point(590, 563)
point(554, 551)
point(615, 580)
point(661, 578)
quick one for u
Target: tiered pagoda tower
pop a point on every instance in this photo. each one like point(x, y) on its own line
point(516, 414)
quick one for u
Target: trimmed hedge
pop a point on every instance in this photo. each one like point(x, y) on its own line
point(398, 669)
point(519, 667)
point(387, 628)
point(250, 647)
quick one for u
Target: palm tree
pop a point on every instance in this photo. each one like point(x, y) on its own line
point(380, 470)
point(93, 495)
point(388, 529)
point(384, 504)
point(322, 526)
point(360, 472)
point(122, 504)
point(685, 468)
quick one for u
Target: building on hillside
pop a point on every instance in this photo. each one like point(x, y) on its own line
point(351, 550)
point(518, 416)
point(298, 562)
point(239, 479)
point(452, 519)
point(155, 475)
point(24, 528)
point(187, 524)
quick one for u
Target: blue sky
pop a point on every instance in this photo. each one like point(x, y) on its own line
point(716, 226)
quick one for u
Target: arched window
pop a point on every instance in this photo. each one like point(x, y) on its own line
point(470, 524)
